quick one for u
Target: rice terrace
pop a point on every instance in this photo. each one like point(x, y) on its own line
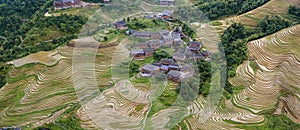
point(150, 64)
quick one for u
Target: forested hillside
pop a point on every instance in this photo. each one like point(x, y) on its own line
point(25, 30)
point(215, 9)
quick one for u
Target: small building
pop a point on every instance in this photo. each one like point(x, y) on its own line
point(149, 52)
point(164, 32)
point(198, 57)
point(168, 40)
point(58, 4)
point(64, 4)
point(176, 38)
point(149, 70)
point(106, 1)
point(121, 25)
point(77, 2)
point(174, 75)
point(179, 56)
point(167, 2)
point(166, 62)
point(141, 34)
point(155, 36)
point(174, 66)
point(206, 54)
point(195, 46)
point(166, 15)
point(137, 54)
point(141, 45)
point(154, 44)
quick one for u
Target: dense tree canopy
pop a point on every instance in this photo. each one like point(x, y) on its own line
point(293, 10)
point(215, 9)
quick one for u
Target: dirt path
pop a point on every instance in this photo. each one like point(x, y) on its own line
point(51, 118)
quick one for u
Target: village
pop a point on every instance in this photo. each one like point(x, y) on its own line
point(65, 4)
point(191, 50)
point(164, 38)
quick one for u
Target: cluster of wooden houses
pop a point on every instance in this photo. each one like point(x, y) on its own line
point(167, 2)
point(64, 4)
point(173, 71)
point(121, 25)
point(163, 38)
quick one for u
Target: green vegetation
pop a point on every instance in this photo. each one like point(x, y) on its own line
point(139, 107)
point(3, 73)
point(165, 100)
point(236, 37)
point(237, 90)
point(274, 122)
point(293, 10)
point(143, 23)
point(136, 64)
point(188, 31)
point(52, 27)
point(26, 30)
point(215, 9)
point(204, 69)
point(161, 54)
point(215, 23)
point(120, 8)
point(67, 121)
point(248, 98)
point(253, 66)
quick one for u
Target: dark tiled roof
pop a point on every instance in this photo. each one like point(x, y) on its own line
point(174, 73)
point(166, 61)
point(150, 67)
point(137, 51)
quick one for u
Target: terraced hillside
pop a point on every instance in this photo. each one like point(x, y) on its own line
point(271, 75)
point(40, 86)
point(37, 94)
point(273, 7)
point(251, 18)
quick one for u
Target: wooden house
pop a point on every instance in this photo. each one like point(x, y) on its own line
point(166, 15)
point(198, 57)
point(179, 56)
point(149, 52)
point(206, 54)
point(141, 45)
point(164, 32)
point(174, 75)
point(173, 66)
point(106, 1)
point(63, 4)
point(166, 62)
point(168, 40)
point(154, 44)
point(176, 38)
point(137, 54)
point(121, 25)
point(149, 70)
point(155, 36)
point(167, 2)
point(195, 46)
point(141, 34)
